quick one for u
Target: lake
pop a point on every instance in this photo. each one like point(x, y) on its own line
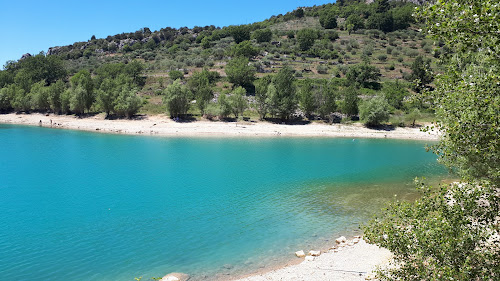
point(87, 206)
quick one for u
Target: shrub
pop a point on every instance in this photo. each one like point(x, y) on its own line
point(374, 111)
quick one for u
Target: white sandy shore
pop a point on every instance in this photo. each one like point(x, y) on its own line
point(161, 125)
point(349, 263)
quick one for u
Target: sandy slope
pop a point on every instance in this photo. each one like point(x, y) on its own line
point(164, 126)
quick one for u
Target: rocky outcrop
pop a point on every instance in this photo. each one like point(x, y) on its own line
point(25, 56)
point(53, 51)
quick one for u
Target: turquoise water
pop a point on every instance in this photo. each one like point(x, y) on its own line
point(86, 206)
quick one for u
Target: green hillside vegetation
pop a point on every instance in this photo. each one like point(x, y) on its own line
point(326, 55)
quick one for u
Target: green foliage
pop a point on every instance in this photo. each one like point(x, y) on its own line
point(177, 97)
point(306, 98)
point(244, 49)
point(325, 98)
point(306, 38)
point(262, 35)
point(445, 235)
point(55, 92)
point(421, 74)
point(127, 102)
point(381, 21)
point(363, 75)
point(240, 33)
point(239, 72)
point(412, 116)
point(328, 19)
point(452, 233)
point(238, 101)
point(374, 111)
point(176, 74)
point(40, 96)
point(224, 106)
point(284, 100)
point(349, 105)
point(354, 22)
point(395, 93)
point(261, 96)
point(201, 84)
point(82, 100)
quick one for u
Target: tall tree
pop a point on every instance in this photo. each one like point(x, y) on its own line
point(177, 98)
point(285, 99)
point(239, 72)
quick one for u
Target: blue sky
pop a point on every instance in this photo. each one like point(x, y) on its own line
point(34, 26)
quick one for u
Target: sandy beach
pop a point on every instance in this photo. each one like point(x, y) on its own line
point(161, 125)
point(346, 262)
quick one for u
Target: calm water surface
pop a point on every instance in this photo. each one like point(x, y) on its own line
point(85, 206)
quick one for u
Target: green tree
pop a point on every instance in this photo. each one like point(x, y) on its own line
point(349, 105)
point(395, 93)
point(328, 19)
point(412, 116)
point(374, 111)
point(66, 101)
point(106, 96)
point(354, 22)
point(201, 86)
point(239, 72)
point(244, 49)
point(262, 35)
point(8, 96)
point(176, 74)
point(285, 99)
point(55, 92)
point(306, 38)
point(177, 98)
point(363, 75)
point(40, 97)
point(82, 100)
point(451, 233)
point(127, 102)
point(238, 101)
point(224, 106)
point(261, 96)
point(325, 99)
point(240, 33)
point(421, 74)
point(306, 98)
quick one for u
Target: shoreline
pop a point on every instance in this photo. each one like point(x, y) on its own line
point(162, 125)
point(352, 260)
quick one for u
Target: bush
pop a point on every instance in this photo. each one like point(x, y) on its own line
point(374, 111)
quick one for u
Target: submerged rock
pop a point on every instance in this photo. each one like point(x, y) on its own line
point(300, 254)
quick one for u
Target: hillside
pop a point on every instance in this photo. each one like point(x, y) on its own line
point(326, 49)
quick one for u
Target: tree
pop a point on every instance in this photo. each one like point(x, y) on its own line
point(224, 106)
point(349, 105)
point(381, 21)
point(244, 49)
point(239, 72)
point(177, 97)
point(106, 95)
point(395, 93)
point(325, 99)
point(201, 86)
point(238, 101)
point(354, 22)
point(306, 98)
point(363, 75)
point(263, 35)
point(40, 96)
point(82, 100)
point(421, 74)
point(127, 102)
point(261, 96)
point(451, 233)
point(240, 33)
point(306, 38)
point(176, 74)
point(285, 99)
point(55, 92)
point(328, 19)
point(374, 111)
point(299, 13)
point(412, 116)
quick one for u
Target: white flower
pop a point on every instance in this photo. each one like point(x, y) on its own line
point(385, 236)
point(437, 24)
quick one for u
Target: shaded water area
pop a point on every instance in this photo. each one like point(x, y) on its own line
point(85, 206)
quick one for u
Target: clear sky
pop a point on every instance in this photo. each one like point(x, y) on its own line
point(34, 26)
